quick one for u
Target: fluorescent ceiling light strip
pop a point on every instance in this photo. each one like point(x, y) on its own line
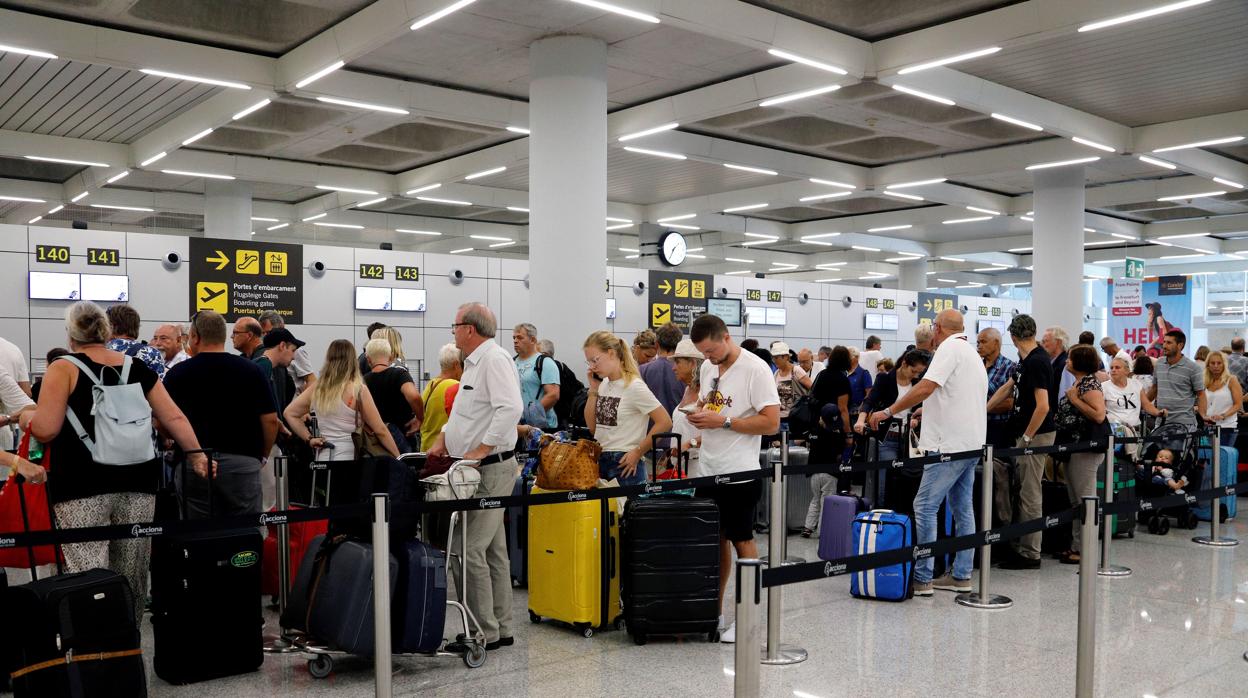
point(319, 74)
point(1184, 236)
point(1228, 183)
point(816, 242)
point(899, 259)
point(348, 190)
point(64, 161)
point(990, 269)
point(1157, 163)
point(821, 197)
point(831, 183)
point(826, 281)
point(197, 136)
point(1018, 283)
point(738, 260)
point(58, 207)
point(925, 95)
point(251, 110)
point(695, 249)
point(631, 256)
point(5, 48)
point(1181, 256)
point(1201, 144)
point(953, 259)
point(683, 227)
point(696, 256)
point(195, 78)
point(312, 218)
point(763, 236)
point(1109, 261)
point(279, 226)
point(864, 248)
point(918, 183)
point(759, 242)
point(889, 227)
point(153, 158)
point(1020, 249)
point(1017, 122)
point(340, 225)
point(124, 208)
point(448, 202)
point(417, 190)
point(619, 226)
point(1198, 195)
point(657, 153)
point(951, 59)
point(462, 249)
point(903, 195)
point(117, 177)
point(1089, 230)
point(975, 219)
point(518, 209)
point(1143, 14)
point(747, 207)
point(493, 238)
point(1062, 163)
point(417, 232)
point(34, 220)
point(807, 61)
point(948, 281)
point(519, 129)
point(485, 173)
point(435, 16)
point(1100, 243)
point(627, 249)
point(363, 105)
point(1163, 244)
point(611, 219)
point(80, 197)
point(264, 220)
point(648, 132)
point(23, 199)
point(820, 236)
point(830, 265)
point(370, 202)
point(609, 7)
point(509, 243)
point(792, 97)
point(681, 217)
point(983, 210)
point(785, 265)
point(207, 175)
point(1093, 144)
point(739, 271)
point(747, 168)
point(1125, 236)
point(1029, 219)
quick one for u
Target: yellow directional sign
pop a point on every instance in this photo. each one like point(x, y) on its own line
point(682, 288)
point(665, 286)
point(699, 288)
point(660, 313)
point(247, 262)
point(221, 260)
point(210, 295)
point(275, 263)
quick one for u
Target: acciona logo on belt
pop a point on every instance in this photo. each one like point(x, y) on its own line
point(7, 542)
point(1230, 490)
point(898, 464)
point(722, 479)
point(1029, 451)
point(266, 519)
point(489, 503)
point(1146, 505)
point(845, 467)
point(946, 459)
point(1051, 521)
point(577, 496)
point(653, 488)
point(991, 537)
point(831, 570)
point(920, 553)
point(140, 531)
point(1191, 498)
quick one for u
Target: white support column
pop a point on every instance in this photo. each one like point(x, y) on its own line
point(1057, 276)
point(227, 209)
point(567, 189)
point(912, 276)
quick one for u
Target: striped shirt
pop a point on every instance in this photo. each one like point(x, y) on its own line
point(1178, 386)
point(999, 372)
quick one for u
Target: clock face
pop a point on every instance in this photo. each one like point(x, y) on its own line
point(672, 248)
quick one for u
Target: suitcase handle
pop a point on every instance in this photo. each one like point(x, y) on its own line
point(681, 468)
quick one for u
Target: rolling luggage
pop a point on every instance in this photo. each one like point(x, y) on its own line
point(206, 604)
point(301, 536)
point(418, 608)
point(1228, 461)
point(1124, 490)
point(516, 524)
point(340, 609)
point(574, 557)
point(1055, 499)
point(295, 617)
point(670, 560)
point(797, 495)
point(876, 531)
point(836, 534)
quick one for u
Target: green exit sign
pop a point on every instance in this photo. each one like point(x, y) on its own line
point(1134, 268)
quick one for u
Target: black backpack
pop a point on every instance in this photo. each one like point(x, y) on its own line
point(569, 387)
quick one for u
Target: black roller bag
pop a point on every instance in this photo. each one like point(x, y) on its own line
point(670, 560)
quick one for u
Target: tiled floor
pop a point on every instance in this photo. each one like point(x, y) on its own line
point(1178, 626)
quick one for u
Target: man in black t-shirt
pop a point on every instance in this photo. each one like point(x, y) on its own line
point(1035, 399)
point(239, 424)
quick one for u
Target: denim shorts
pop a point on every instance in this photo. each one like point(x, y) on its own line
point(609, 468)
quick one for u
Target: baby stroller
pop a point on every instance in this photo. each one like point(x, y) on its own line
point(1183, 444)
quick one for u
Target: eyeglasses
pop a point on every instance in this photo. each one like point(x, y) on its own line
point(455, 325)
point(593, 362)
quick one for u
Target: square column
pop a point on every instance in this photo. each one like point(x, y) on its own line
point(1057, 257)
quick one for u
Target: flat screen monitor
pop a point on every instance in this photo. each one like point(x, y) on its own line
point(106, 287)
point(890, 322)
point(372, 298)
point(758, 316)
point(409, 299)
point(777, 316)
point(55, 287)
point(610, 308)
point(728, 310)
point(873, 321)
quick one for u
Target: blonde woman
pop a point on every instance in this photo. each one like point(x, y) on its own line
point(1225, 397)
point(397, 358)
point(340, 403)
point(618, 409)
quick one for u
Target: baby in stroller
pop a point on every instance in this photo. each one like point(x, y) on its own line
point(1163, 472)
point(1167, 470)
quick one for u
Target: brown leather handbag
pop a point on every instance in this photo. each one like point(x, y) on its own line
point(569, 466)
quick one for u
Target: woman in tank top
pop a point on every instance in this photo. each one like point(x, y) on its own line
point(1224, 397)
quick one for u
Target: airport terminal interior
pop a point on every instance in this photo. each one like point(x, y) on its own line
point(841, 181)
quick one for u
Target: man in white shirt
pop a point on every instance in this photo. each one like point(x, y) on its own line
point(738, 405)
point(955, 418)
point(482, 427)
point(11, 358)
point(1113, 351)
point(168, 339)
point(872, 356)
point(806, 360)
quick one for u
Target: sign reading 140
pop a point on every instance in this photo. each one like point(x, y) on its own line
point(52, 254)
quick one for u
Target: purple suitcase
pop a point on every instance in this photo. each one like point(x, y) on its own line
point(836, 525)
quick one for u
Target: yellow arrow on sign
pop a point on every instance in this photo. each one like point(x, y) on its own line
point(665, 286)
point(221, 260)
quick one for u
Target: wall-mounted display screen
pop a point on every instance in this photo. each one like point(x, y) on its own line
point(55, 287)
point(999, 325)
point(879, 321)
point(728, 310)
point(777, 316)
point(408, 299)
point(610, 308)
point(890, 322)
point(757, 316)
point(106, 287)
point(372, 298)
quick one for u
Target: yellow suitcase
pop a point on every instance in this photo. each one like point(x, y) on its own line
point(573, 566)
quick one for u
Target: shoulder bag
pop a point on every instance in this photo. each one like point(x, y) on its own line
point(565, 465)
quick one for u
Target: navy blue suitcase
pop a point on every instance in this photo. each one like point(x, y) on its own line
point(419, 605)
point(295, 617)
point(341, 604)
point(876, 531)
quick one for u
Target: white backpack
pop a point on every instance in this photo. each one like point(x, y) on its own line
point(123, 418)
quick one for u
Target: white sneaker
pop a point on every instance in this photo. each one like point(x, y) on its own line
point(729, 636)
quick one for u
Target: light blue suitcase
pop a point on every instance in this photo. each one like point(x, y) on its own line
point(1229, 465)
point(876, 531)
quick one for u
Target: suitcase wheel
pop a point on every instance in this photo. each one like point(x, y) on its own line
point(1191, 521)
point(321, 666)
point(534, 618)
point(1153, 526)
point(712, 636)
point(639, 638)
point(474, 657)
point(619, 623)
point(1163, 526)
point(587, 631)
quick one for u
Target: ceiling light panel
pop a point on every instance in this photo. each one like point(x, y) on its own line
point(648, 132)
point(822, 197)
point(1061, 163)
point(6, 48)
point(1017, 122)
point(195, 78)
point(950, 59)
point(778, 53)
point(363, 105)
point(917, 183)
point(619, 10)
point(748, 168)
point(1142, 14)
point(794, 96)
point(486, 173)
point(656, 153)
point(1201, 144)
point(439, 14)
point(65, 161)
point(925, 95)
point(1093, 144)
point(319, 74)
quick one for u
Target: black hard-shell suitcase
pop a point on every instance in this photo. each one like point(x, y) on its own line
point(419, 606)
point(207, 620)
point(670, 560)
point(516, 523)
point(295, 617)
point(341, 603)
point(1055, 499)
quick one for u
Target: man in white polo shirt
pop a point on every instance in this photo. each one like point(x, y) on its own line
point(955, 418)
point(738, 405)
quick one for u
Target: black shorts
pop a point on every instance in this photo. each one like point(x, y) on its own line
point(736, 504)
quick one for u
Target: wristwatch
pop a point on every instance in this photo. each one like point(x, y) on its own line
point(1027, 439)
point(728, 423)
point(888, 413)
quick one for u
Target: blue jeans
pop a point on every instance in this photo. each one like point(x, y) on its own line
point(1229, 436)
point(955, 479)
point(609, 468)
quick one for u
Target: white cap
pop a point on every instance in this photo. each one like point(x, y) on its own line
point(779, 349)
point(686, 350)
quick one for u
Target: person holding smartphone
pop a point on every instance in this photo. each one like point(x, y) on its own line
point(618, 409)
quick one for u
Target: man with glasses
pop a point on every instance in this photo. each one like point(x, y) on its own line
point(248, 338)
point(954, 419)
point(482, 427)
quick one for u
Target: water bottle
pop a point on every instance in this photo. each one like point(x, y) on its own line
point(36, 451)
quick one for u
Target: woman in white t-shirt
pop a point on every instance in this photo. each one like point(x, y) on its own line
point(1125, 396)
point(618, 409)
point(1224, 397)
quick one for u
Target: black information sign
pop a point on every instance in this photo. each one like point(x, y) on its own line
point(245, 277)
point(678, 297)
point(930, 305)
point(774, 297)
point(372, 271)
point(52, 254)
point(103, 257)
point(753, 294)
point(407, 273)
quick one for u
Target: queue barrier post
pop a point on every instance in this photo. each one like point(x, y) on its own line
point(747, 676)
point(1215, 539)
point(381, 595)
point(777, 527)
point(984, 598)
point(774, 652)
point(1085, 672)
point(1106, 569)
point(281, 644)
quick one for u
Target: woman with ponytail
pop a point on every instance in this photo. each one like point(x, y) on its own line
point(619, 408)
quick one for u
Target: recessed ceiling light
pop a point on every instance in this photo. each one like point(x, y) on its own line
point(925, 95)
point(279, 226)
point(902, 195)
point(340, 225)
point(807, 61)
point(762, 236)
point(831, 183)
point(22, 199)
point(821, 197)
point(1198, 195)
point(197, 136)
point(1093, 144)
point(1201, 144)
point(56, 208)
point(117, 177)
point(417, 190)
point(4, 48)
point(317, 216)
point(627, 249)
point(809, 241)
point(363, 105)
point(739, 271)
point(820, 236)
point(485, 173)
point(752, 243)
point(619, 220)
point(319, 74)
point(747, 168)
point(826, 281)
point(619, 226)
point(983, 210)
point(1182, 256)
point(348, 190)
point(695, 256)
point(1184, 236)
point(657, 153)
point(494, 238)
point(518, 209)
point(509, 243)
point(65, 161)
point(974, 219)
point(953, 259)
point(448, 202)
point(34, 220)
point(519, 129)
point(746, 207)
point(1228, 183)
point(680, 226)
point(124, 208)
point(900, 259)
point(918, 183)
point(632, 256)
point(1062, 163)
point(370, 202)
point(416, 232)
point(738, 260)
point(681, 217)
point(1157, 163)
point(1100, 243)
point(948, 281)
point(794, 96)
point(461, 250)
point(1019, 249)
point(864, 248)
point(1109, 261)
point(608, 7)
point(889, 227)
point(195, 78)
point(1125, 236)
point(994, 268)
point(264, 220)
point(951, 59)
point(250, 110)
point(1143, 14)
point(206, 175)
point(1017, 122)
point(80, 197)
point(153, 158)
point(648, 132)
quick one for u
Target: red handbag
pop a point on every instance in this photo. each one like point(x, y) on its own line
point(38, 514)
